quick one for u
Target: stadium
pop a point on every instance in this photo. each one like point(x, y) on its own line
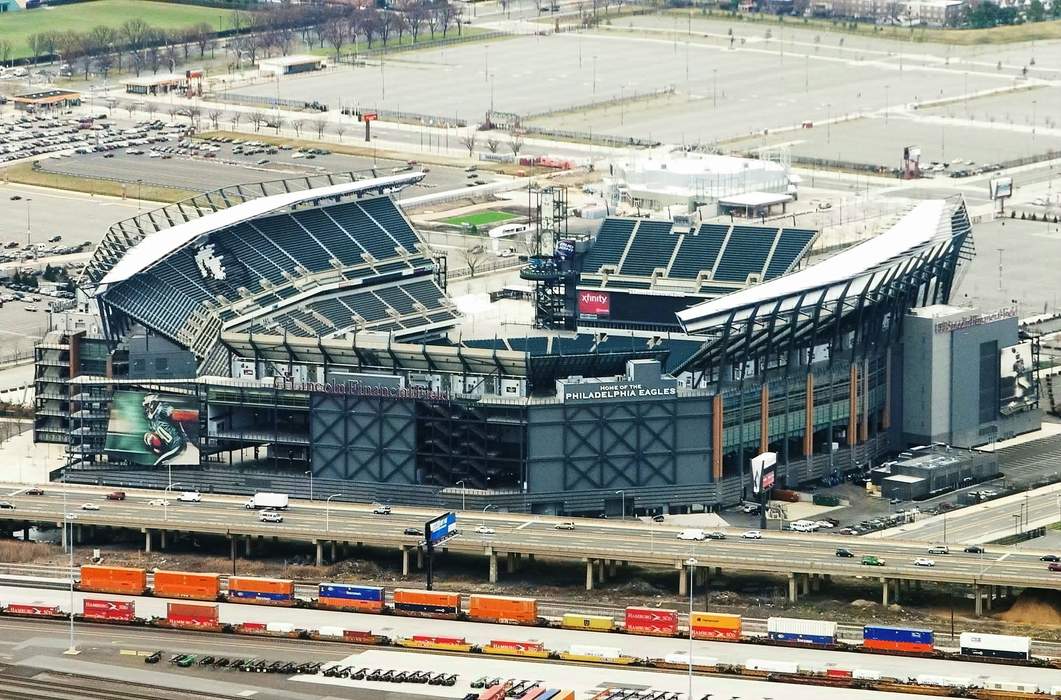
point(299, 334)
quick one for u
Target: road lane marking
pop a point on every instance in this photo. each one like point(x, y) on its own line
point(529, 522)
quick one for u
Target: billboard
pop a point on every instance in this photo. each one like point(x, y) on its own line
point(565, 249)
point(1001, 187)
point(763, 472)
point(911, 166)
point(593, 304)
point(440, 528)
point(153, 428)
point(1017, 389)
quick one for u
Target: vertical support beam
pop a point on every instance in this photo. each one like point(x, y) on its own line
point(793, 593)
point(232, 547)
point(162, 539)
point(852, 406)
point(492, 556)
point(419, 558)
point(63, 537)
point(896, 589)
point(319, 546)
point(611, 568)
point(990, 596)
point(864, 421)
point(248, 545)
point(886, 419)
point(978, 598)
point(332, 558)
point(805, 583)
point(683, 581)
point(589, 574)
point(600, 571)
point(405, 561)
point(884, 589)
point(716, 438)
point(764, 419)
point(808, 418)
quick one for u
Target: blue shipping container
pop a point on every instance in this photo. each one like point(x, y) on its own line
point(350, 592)
point(258, 595)
point(885, 633)
point(802, 638)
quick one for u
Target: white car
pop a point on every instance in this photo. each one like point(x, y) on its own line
point(564, 526)
point(158, 502)
point(924, 561)
point(484, 530)
point(824, 523)
point(380, 509)
point(89, 506)
point(71, 516)
point(752, 535)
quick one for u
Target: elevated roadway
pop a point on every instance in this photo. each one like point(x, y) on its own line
point(807, 560)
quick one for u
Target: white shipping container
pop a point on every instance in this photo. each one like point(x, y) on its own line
point(771, 666)
point(595, 651)
point(791, 625)
point(683, 658)
point(866, 674)
point(282, 627)
point(813, 668)
point(996, 642)
point(331, 632)
point(944, 681)
point(1055, 690)
point(997, 684)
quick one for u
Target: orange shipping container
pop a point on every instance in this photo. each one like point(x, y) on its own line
point(723, 620)
point(427, 603)
point(493, 608)
point(182, 584)
point(113, 579)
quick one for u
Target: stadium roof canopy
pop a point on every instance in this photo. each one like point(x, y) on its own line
point(157, 246)
point(862, 290)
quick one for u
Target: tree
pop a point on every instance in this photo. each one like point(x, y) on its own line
point(36, 45)
point(469, 139)
point(446, 13)
point(234, 119)
point(194, 116)
point(256, 117)
point(104, 63)
point(214, 115)
point(515, 142)
point(173, 113)
point(340, 129)
point(1036, 11)
point(5, 50)
point(336, 35)
point(415, 14)
point(279, 123)
point(319, 123)
point(135, 32)
point(297, 125)
point(201, 35)
point(492, 144)
point(387, 23)
point(473, 257)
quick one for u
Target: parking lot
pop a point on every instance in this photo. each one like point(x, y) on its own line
point(32, 135)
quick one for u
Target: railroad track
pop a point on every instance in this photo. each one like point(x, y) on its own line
point(52, 686)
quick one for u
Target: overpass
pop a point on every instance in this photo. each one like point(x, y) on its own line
point(808, 561)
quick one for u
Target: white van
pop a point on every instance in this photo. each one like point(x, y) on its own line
point(190, 497)
point(270, 516)
point(803, 526)
point(698, 535)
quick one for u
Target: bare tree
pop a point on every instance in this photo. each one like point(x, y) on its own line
point(257, 117)
point(515, 142)
point(130, 108)
point(173, 112)
point(5, 50)
point(194, 116)
point(202, 34)
point(214, 115)
point(151, 109)
point(319, 123)
point(337, 34)
point(469, 139)
point(473, 257)
point(36, 45)
point(297, 125)
point(234, 119)
point(492, 144)
point(279, 123)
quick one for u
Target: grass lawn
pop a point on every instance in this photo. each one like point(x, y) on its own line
point(27, 175)
point(17, 26)
point(480, 218)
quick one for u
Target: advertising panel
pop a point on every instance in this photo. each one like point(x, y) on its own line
point(763, 472)
point(565, 249)
point(592, 304)
point(1017, 389)
point(153, 428)
point(440, 528)
point(1001, 187)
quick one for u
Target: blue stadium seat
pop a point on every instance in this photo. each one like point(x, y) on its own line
point(364, 230)
point(698, 251)
point(335, 239)
point(285, 232)
point(652, 247)
point(397, 299)
point(610, 243)
point(383, 210)
point(260, 255)
point(791, 246)
point(745, 253)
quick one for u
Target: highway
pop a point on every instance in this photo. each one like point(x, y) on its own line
point(802, 557)
point(556, 639)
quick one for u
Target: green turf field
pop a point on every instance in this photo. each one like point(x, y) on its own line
point(481, 218)
point(17, 26)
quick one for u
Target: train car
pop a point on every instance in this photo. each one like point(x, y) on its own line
point(113, 579)
point(503, 647)
point(418, 603)
point(651, 621)
point(887, 638)
point(680, 661)
point(996, 646)
point(764, 667)
point(268, 629)
point(717, 626)
point(34, 610)
point(596, 654)
point(596, 623)
point(787, 629)
point(339, 634)
point(423, 641)
point(123, 611)
point(186, 585)
point(503, 609)
point(261, 591)
point(347, 596)
point(193, 616)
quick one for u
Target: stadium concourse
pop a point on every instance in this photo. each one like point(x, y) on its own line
point(252, 335)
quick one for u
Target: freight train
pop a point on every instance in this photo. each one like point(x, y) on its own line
point(205, 617)
point(781, 631)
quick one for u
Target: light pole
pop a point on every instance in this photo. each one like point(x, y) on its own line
point(28, 200)
point(165, 499)
point(327, 514)
point(622, 492)
point(464, 493)
point(72, 649)
point(482, 536)
point(310, 475)
point(691, 563)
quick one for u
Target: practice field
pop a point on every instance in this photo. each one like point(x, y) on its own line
point(480, 218)
point(16, 27)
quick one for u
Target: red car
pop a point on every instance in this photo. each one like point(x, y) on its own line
point(116, 496)
point(1054, 566)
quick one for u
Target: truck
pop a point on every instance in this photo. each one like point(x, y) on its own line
point(263, 499)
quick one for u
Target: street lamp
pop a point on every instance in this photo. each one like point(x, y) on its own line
point(622, 492)
point(28, 200)
point(327, 506)
point(464, 493)
point(310, 475)
point(691, 563)
point(72, 649)
point(165, 499)
point(482, 536)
